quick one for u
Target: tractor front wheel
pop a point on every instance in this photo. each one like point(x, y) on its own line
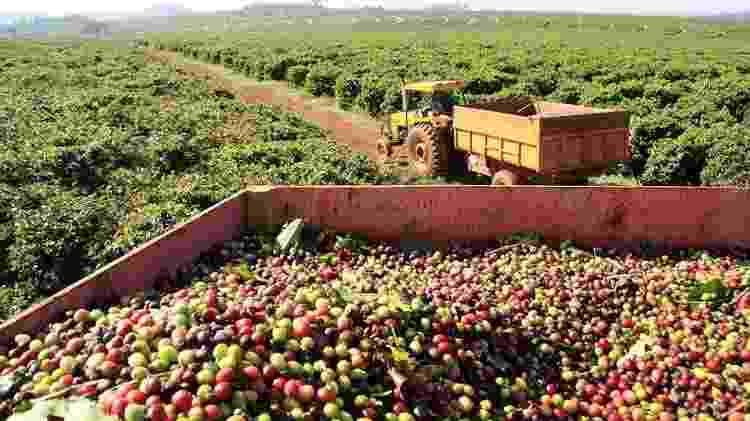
point(384, 148)
point(429, 150)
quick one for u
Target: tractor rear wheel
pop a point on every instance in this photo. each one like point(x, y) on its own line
point(429, 150)
point(384, 148)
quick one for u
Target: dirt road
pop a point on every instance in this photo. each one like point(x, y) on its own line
point(356, 130)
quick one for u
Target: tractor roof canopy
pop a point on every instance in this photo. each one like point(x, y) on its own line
point(431, 87)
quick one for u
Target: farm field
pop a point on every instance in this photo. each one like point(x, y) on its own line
point(684, 83)
point(104, 149)
point(346, 127)
point(109, 143)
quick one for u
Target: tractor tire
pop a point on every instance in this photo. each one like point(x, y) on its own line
point(429, 150)
point(384, 148)
point(507, 178)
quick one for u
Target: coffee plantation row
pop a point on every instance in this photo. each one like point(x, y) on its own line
point(690, 106)
point(103, 150)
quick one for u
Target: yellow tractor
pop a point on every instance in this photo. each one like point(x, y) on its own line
point(510, 139)
point(427, 133)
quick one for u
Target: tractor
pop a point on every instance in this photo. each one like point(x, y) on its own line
point(426, 132)
point(509, 139)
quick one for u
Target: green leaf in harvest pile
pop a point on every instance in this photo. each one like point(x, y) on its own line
point(712, 291)
point(345, 294)
point(244, 271)
point(290, 235)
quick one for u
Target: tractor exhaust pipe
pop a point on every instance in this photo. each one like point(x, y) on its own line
point(405, 105)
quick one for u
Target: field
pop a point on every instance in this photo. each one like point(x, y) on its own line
point(103, 149)
point(684, 82)
point(107, 147)
point(108, 143)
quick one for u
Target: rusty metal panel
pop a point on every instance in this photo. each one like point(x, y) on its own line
point(141, 268)
point(593, 216)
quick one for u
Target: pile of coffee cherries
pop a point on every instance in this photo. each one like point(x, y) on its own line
point(514, 331)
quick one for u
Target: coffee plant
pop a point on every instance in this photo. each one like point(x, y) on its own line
point(104, 149)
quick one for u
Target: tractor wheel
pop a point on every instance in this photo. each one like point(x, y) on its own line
point(507, 178)
point(384, 148)
point(429, 150)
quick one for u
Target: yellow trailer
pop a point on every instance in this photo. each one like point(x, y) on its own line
point(512, 138)
point(508, 139)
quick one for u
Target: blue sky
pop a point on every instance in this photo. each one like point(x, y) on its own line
point(59, 7)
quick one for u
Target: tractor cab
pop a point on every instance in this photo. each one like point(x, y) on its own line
point(443, 96)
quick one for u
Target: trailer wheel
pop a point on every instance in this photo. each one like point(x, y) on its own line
point(507, 178)
point(429, 150)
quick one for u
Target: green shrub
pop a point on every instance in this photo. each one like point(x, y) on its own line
point(171, 153)
point(647, 130)
point(718, 155)
point(17, 297)
point(664, 92)
point(568, 92)
point(308, 161)
point(539, 82)
point(278, 69)
point(8, 131)
point(372, 96)
point(8, 196)
point(261, 70)
point(677, 161)
point(57, 242)
point(321, 80)
point(728, 160)
point(296, 75)
point(144, 224)
point(347, 90)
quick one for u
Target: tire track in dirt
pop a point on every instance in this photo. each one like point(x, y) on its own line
point(355, 130)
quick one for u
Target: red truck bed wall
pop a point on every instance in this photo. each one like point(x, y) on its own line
point(592, 216)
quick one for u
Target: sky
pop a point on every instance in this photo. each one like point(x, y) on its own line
point(62, 7)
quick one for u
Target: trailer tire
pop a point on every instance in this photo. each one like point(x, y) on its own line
point(507, 178)
point(428, 149)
